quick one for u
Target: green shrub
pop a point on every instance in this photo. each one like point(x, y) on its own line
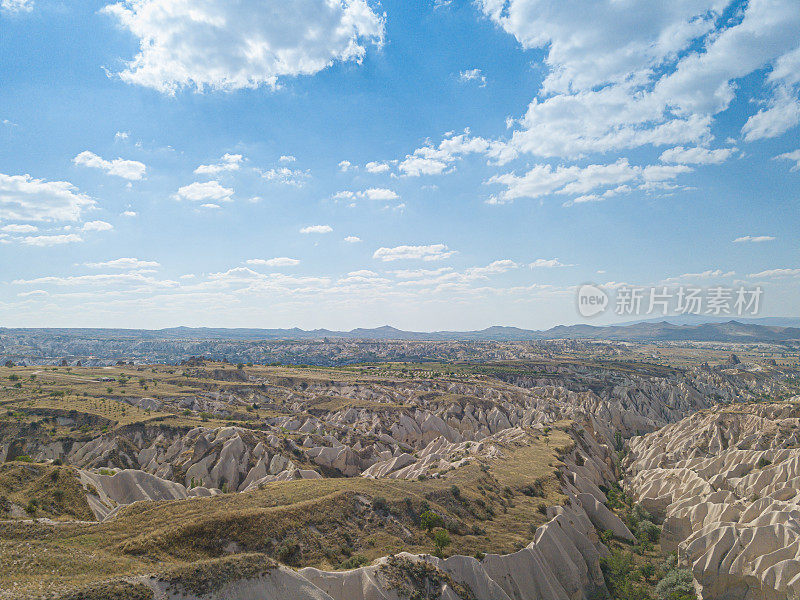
point(354, 562)
point(379, 503)
point(429, 520)
point(676, 585)
point(648, 532)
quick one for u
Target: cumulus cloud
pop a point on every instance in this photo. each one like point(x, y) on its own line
point(24, 198)
point(793, 156)
point(14, 6)
point(345, 166)
point(494, 268)
point(753, 239)
point(434, 160)
point(33, 294)
point(124, 263)
point(223, 45)
point(127, 169)
point(202, 191)
point(228, 162)
point(547, 263)
point(280, 261)
point(97, 226)
point(696, 156)
point(16, 228)
point(287, 158)
point(129, 213)
point(377, 167)
point(426, 253)
point(286, 176)
point(624, 75)
point(543, 180)
point(316, 229)
point(352, 239)
point(783, 108)
point(370, 194)
point(51, 240)
point(473, 75)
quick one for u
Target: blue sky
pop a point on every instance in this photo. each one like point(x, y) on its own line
point(430, 165)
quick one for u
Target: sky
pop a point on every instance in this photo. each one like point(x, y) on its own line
point(429, 165)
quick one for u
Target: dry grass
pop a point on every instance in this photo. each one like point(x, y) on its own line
point(43, 490)
point(306, 522)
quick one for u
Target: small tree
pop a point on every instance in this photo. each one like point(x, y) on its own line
point(441, 539)
point(429, 520)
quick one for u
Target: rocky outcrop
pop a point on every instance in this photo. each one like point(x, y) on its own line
point(561, 563)
point(107, 493)
point(727, 484)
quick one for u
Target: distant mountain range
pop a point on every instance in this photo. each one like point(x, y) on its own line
point(763, 330)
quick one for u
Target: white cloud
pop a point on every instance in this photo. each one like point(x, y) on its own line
point(377, 167)
point(286, 176)
point(14, 228)
point(127, 169)
point(794, 156)
point(317, 229)
point(426, 253)
point(206, 190)
point(363, 273)
point(13, 6)
point(34, 294)
point(783, 109)
point(51, 240)
point(97, 226)
point(228, 162)
point(232, 45)
point(370, 194)
point(781, 116)
point(210, 206)
point(129, 213)
point(99, 279)
point(708, 274)
point(547, 263)
point(417, 273)
point(543, 180)
point(280, 261)
point(754, 239)
point(473, 75)
point(495, 268)
point(121, 135)
point(629, 74)
point(776, 273)
point(345, 165)
point(696, 156)
point(124, 263)
point(430, 160)
point(352, 239)
point(287, 158)
point(26, 199)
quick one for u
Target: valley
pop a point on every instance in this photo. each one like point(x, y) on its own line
point(548, 477)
